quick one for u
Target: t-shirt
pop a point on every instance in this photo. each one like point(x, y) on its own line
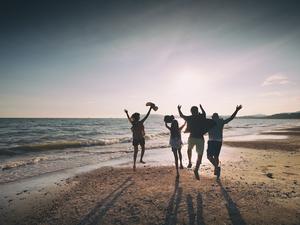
point(187, 129)
point(216, 132)
point(198, 125)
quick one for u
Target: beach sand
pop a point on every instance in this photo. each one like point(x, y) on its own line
point(260, 186)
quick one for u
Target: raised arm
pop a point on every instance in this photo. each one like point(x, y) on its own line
point(167, 126)
point(128, 117)
point(180, 128)
point(203, 111)
point(238, 108)
point(180, 113)
point(148, 113)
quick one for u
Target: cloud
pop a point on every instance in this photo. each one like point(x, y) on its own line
point(275, 79)
point(271, 94)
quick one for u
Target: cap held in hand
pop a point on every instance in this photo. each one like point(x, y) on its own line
point(152, 105)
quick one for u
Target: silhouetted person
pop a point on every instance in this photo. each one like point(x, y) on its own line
point(138, 134)
point(216, 138)
point(176, 142)
point(198, 125)
point(187, 130)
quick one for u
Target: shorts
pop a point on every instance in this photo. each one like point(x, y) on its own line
point(214, 148)
point(175, 143)
point(140, 141)
point(199, 142)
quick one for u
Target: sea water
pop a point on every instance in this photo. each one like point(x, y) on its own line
point(31, 147)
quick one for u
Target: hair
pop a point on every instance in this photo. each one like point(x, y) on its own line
point(194, 110)
point(135, 117)
point(215, 115)
point(175, 132)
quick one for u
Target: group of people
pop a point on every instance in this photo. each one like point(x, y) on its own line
point(197, 125)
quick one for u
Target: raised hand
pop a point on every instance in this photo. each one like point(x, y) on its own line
point(179, 107)
point(126, 111)
point(239, 107)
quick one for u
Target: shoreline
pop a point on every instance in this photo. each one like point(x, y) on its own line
point(275, 172)
point(291, 143)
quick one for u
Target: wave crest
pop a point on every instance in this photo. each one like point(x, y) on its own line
point(60, 145)
point(20, 163)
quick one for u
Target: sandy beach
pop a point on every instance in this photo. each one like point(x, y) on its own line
point(98, 98)
point(259, 185)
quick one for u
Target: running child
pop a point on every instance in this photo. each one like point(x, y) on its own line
point(176, 142)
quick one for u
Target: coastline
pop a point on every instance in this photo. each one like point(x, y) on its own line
point(248, 192)
point(291, 143)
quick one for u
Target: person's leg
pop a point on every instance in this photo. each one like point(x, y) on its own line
point(134, 156)
point(216, 159)
point(213, 162)
point(199, 160)
point(142, 153)
point(210, 158)
point(189, 151)
point(142, 142)
point(199, 149)
point(180, 158)
point(176, 160)
point(217, 153)
point(210, 155)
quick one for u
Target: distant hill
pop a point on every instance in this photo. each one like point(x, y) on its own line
point(293, 115)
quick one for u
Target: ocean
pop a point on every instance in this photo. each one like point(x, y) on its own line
point(32, 147)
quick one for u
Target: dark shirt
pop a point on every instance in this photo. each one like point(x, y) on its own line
point(198, 125)
point(175, 133)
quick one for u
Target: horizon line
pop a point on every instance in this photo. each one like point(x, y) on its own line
point(156, 114)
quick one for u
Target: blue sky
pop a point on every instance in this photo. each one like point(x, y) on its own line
point(95, 59)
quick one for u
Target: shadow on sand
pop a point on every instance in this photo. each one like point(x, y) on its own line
point(171, 215)
point(191, 211)
point(233, 211)
point(96, 215)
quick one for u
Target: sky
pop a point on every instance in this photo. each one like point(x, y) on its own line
point(95, 58)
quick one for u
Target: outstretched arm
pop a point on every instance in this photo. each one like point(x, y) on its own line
point(167, 126)
point(180, 113)
point(203, 111)
point(128, 117)
point(238, 108)
point(148, 113)
point(180, 128)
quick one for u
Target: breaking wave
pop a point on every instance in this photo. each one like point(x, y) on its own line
point(60, 145)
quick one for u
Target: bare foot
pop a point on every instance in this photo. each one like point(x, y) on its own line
point(141, 161)
point(181, 166)
point(134, 167)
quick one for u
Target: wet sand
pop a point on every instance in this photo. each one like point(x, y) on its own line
point(291, 143)
point(260, 185)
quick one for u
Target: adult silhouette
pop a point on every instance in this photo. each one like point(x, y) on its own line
point(198, 125)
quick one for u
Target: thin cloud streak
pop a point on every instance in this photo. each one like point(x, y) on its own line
point(275, 79)
point(271, 94)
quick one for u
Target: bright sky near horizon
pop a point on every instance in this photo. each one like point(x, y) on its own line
point(95, 58)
